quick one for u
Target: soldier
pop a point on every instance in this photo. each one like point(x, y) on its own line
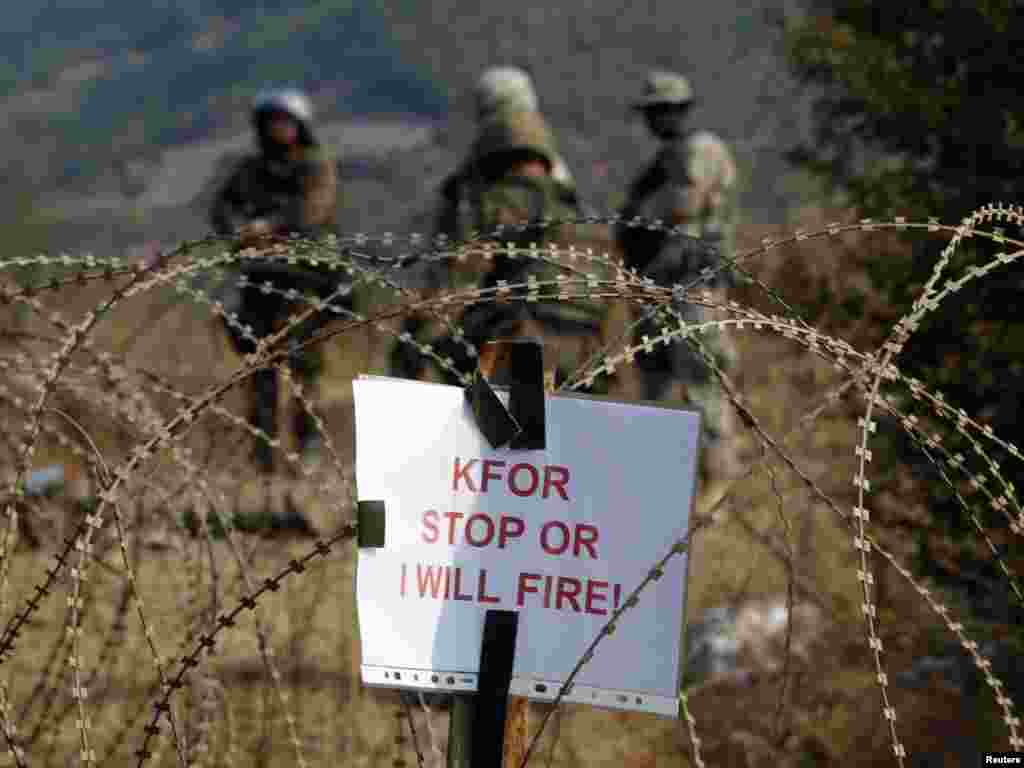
point(502, 94)
point(691, 183)
point(289, 187)
point(515, 161)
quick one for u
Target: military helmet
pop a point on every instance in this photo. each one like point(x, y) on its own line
point(292, 102)
point(665, 88)
point(517, 132)
point(502, 88)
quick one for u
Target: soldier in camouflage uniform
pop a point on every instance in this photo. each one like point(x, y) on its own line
point(289, 187)
point(691, 183)
point(501, 95)
point(515, 160)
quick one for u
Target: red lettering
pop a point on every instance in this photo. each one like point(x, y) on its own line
point(545, 544)
point(564, 582)
point(558, 483)
point(430, 521)
point(456, 594)
point(452, 517)
point(564, 593)
point(482, 595)
point(487, 475)
point(487, 537)
point(586, 537)
point(464, 474)
point(431, 579)
point(592, 596)
point(509, 528)
point(534, 479)
point(523, 587)
point(556, 478)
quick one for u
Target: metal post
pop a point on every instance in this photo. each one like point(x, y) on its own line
point(496, 658)
point(460, 730)
point(477, 726)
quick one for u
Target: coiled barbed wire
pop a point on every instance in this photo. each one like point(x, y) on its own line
point(162, 430)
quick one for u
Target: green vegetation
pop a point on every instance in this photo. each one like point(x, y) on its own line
point(919, 116)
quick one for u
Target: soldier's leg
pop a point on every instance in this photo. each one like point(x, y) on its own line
point(704, 392)
point(726, 452)
point(308, 363)
point(307, 366)
point(655, 368)
point(258, 311)
point(263, 416)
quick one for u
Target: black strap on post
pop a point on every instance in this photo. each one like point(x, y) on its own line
point(497, 653)
point(518, 364)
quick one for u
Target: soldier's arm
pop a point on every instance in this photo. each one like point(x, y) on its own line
point(446, 218)
point(707, 178)
point(226, 215)
point(643, 186)
point(705, 203)
point(315, 208)
point(446, 222)
point(638, 244)
point(321, 195)
point(682, 256)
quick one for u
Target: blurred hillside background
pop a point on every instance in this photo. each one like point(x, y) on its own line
point(120, 117)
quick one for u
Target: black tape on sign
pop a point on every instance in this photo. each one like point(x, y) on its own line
point(370, 516)
point(519, 365)
point(525, 377)
point(497, 653)
point(493, 419)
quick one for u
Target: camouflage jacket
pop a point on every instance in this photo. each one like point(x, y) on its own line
point(456, 213)
point(458, 217)
point(513, 201)
point(298, 196)
point(692, 182)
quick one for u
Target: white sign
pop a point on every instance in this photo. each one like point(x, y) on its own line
point(561, 535)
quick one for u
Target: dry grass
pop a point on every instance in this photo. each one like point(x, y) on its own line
point(281, 686)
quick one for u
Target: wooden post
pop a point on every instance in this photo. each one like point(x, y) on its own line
point(517, 732)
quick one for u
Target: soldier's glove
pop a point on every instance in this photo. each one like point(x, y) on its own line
point(253, 232)
point(716, 257)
